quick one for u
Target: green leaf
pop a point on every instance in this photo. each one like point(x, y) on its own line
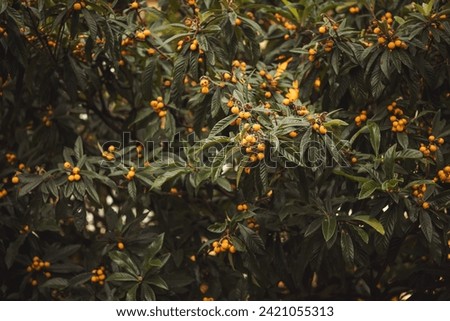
point(252, 240)
point(367, 189)
point(373, 222)
point(222, 124)
point(217, 227)
point(147, 292)
point(80, 279)
point(426, 226)
point(348, 251)
point(56, 283)
point(124, 262)
point(375, 136)
point(155, 247)
point(13, 250)
point(328, 227)
point(158, 281)
point(362, 234)
point(27, 188)
point(121, 277)
point(78, 148)
point(166, 176)
point(132, 191)
point(314, 226)
point(131, 294)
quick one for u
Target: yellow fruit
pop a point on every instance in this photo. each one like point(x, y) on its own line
point(147, 32)
point(15, 180)
point(322, 130)
point(232, 249)
point(34, 282)
point(67, 165)
point(391, 45)
point(317, 83)
point(312, 51)
point(235, 110)
point(77, 6)
point(240, 208)
point(398, 43)
point(286, 101)
point(76, 170)
point(447, 169)
point(293, 134)
point(134, 5)
point(322, 29)
point(431, 138)
point(433, 148)
point(193, 47)
point(256, 127)
point(140, 35)
point(94, 279)
point(376, 30)
point(205, 90)
point(120, 246)
point(76, 177)
point(440, 141)
point(267, 94)
point(426, 205)
point(238, 22)
point(381, 40)
point(261, 147)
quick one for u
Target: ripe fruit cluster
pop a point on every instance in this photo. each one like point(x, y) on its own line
point(98, 275)
point(223, 245)
point(444, 174)
point(388, 39)
point(39, 265)
point(204, 83)
point(46, 119)
point(11, 158)
point(109, 154)
point(292, 94)
point(354, 10)
point(253, 147)
point(252, 224)
point(432, 146)
point(242, 207)
point(75, 175)
point(158, 105)
point(418, 191)
point(362, 117)
point(316, 124)
point(302, 111)
point(131, 173)
point(142, 34)
point(194, 45)
point(397, 120)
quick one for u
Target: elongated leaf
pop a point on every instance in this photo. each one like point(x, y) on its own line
point(371, 221)
point(124, 262)
point(121, 277)
point(222, 124)
point(328, 227)
point(367, 189)
point(426, 226)
point(375, 136)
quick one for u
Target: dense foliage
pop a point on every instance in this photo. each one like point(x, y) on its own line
point(226, 150)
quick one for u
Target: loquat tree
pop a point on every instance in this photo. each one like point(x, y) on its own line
point(224, 150)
